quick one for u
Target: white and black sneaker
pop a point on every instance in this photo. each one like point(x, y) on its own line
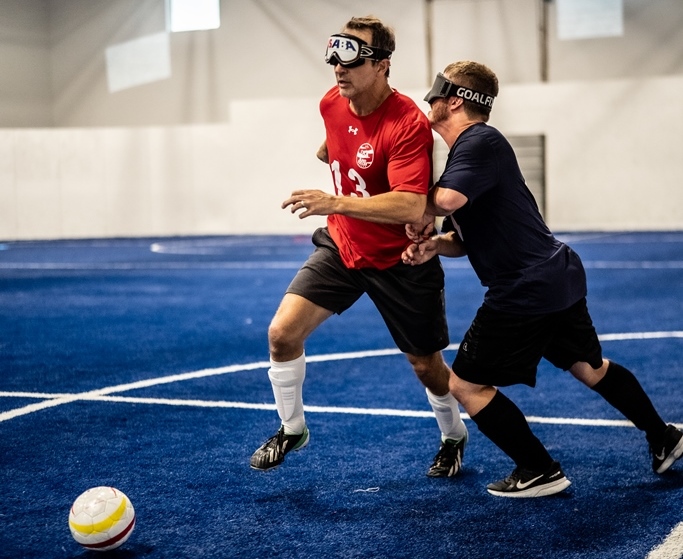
point(448, 461)
point(527, 483)
point(668, 450)
point(272, 452)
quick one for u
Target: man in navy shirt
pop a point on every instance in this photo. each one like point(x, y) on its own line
point(535, 303)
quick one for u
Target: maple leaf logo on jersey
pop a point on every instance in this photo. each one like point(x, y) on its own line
point(365, 156)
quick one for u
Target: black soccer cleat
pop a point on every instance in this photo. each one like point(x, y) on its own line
point(526, 483)
point(448, 461)
point(668, 450)
point(272, 453)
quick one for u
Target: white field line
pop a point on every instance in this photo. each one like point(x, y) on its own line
point(105, 394)
point(450, 264)
point(671, 547)
point(105, 266)
point(59, 399)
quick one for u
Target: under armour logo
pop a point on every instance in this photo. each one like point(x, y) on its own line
point(354, 130)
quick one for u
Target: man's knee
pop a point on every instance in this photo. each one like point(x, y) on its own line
point(589, 376)
point(277, 336)
point(432, 371)
point(283, 343)
point(460, 388)
point(472, 396)
point(424, 365)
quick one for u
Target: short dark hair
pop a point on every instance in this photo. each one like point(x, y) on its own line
point(382, 35)
point(475, 76)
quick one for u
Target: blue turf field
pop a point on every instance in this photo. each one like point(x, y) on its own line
point(141, 363)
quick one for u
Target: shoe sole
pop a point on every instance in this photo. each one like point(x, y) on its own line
point(304, 441)
point(675, 454)
point(540, 491)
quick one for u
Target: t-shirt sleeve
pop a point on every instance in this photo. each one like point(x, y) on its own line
point(472, 168)
point(409, 168)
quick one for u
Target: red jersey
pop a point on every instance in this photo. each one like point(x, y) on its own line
point(389, 149)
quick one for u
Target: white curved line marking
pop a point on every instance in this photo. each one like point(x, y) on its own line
point(104, 394)
point(671, 547)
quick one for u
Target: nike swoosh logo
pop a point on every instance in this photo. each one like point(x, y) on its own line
point(524, 485)
point(663, 455)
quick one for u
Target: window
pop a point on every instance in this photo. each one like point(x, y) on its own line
point(192, 15)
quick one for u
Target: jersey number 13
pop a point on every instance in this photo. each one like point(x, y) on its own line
point(360, 189)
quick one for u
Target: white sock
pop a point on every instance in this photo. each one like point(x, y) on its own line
point(287, 379)
point(447, 416)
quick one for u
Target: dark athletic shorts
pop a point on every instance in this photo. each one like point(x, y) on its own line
point(501, 349)
point(409, 298)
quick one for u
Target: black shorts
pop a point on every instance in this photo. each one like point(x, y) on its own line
point(501, 349)
point(409, 298)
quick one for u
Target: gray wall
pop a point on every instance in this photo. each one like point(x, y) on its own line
point(25, 87)
point(54, 52)
point(217, 146)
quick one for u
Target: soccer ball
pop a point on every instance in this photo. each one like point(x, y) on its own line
point(102, 518)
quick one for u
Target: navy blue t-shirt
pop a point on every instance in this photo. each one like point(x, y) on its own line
point(514, 254)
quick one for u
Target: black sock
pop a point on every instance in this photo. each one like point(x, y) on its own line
point(622, 391)
point(504, 423)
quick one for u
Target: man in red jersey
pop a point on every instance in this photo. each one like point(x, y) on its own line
point(378, 145)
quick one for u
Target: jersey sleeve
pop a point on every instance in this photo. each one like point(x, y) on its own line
point(472, 168)
point(409, 167)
